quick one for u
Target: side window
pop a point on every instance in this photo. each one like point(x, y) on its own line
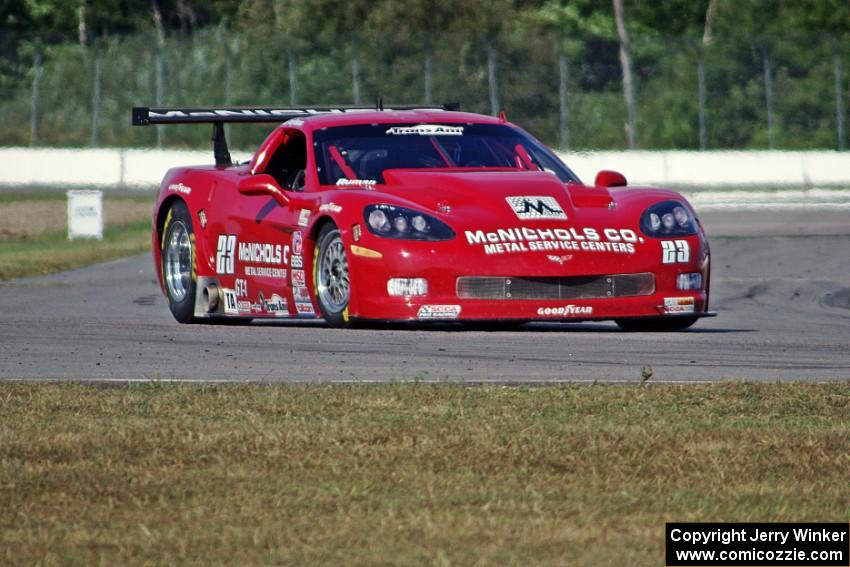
point(289, 162)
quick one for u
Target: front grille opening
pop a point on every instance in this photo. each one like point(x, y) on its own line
point(576, 287)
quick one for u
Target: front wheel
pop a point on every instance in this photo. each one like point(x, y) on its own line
point(331, 277)
point(177, 250)
point(656, 324)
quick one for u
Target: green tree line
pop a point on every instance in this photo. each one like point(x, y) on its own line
point(674, 74)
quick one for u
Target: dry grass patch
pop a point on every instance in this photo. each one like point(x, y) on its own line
point(22, 219)
point(406, 474)
point(33, 234)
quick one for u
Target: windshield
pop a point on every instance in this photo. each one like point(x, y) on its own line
point(364, 152)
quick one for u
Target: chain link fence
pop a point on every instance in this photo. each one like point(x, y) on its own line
point(732, 93)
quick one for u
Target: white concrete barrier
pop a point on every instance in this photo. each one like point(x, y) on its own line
point(717, 168)
point(147, 167)
point(138, 168)
point(34, 166)
point(132, 168)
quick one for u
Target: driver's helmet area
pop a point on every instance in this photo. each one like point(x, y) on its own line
point(368, 157)
point(289, 163)
point(373, 163)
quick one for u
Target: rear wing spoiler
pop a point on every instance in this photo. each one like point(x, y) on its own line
point(146, 116)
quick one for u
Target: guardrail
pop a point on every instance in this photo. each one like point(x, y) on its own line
point(143, 169)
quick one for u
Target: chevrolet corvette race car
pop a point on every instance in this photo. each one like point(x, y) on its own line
point(416, 214)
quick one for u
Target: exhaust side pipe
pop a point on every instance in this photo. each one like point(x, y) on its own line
point(210, 298)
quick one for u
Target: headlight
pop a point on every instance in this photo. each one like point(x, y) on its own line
point(398, 222)
point(668, 218)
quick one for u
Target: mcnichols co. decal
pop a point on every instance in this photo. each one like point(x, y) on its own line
point(527, 239)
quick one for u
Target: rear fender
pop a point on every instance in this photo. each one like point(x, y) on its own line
point(203, 265)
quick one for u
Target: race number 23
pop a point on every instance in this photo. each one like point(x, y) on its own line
point(224, 253)
point(675, 251)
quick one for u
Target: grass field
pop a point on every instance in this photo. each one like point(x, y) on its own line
point(33, 233)
point(406, 474)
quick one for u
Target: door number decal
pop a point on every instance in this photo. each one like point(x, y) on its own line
point(675, 251)
point(224, 253)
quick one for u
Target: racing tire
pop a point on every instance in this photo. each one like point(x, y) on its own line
point(331, 278)
point(656, 324)
point(177, 262)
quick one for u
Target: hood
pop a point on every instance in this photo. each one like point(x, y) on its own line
point(499, 195)
point(489, 191)
point(429, 188)
point(520, 219)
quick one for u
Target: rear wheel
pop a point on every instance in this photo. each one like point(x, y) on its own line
point(331, 277)
point(656, 324)
point(177, 250)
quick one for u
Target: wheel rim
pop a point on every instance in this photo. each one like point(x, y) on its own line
point(334, 286)
point(178, 261)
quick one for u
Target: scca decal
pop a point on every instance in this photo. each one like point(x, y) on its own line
point(439, 312)
point(676, 305)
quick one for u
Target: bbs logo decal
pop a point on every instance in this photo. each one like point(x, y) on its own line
point(675, 251)
point(224, 253)
point(536, 208)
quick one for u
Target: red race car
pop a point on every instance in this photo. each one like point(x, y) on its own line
point(416, 214)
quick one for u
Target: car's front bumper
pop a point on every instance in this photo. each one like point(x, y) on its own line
point(448, 308)
point(445, 300)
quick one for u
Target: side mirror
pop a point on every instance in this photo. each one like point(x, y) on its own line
point(262, 184)
point(608, 178)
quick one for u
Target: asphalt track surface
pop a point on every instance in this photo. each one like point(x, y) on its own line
point(781, 285)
